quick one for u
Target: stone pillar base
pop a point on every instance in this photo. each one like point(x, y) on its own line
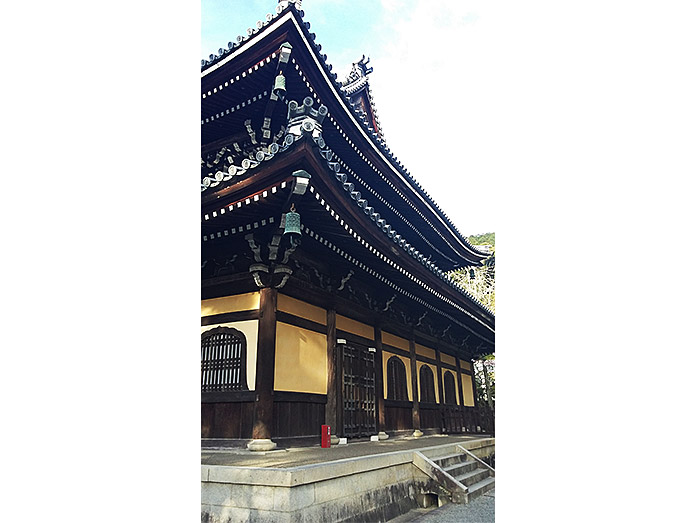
point(261, 444)
point(417, 433)
point(382, 436)
point(334, 440)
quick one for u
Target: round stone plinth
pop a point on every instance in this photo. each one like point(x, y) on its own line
point(261, 444)
point(382, 436)
point(334, 440)
point(417, 433)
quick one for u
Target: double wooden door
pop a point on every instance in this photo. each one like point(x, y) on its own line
point(358, 378)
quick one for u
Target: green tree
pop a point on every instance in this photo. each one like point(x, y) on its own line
point(480, 282)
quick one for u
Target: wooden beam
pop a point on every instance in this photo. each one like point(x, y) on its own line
point(266, 357)
point(330, 413)
point(415, 414)
point(379, 386)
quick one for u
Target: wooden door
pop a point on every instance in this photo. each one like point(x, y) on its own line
point(358, 377)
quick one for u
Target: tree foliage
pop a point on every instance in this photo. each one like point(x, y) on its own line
point(481, 283)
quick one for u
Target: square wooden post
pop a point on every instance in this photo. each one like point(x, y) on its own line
point(415, 413)
point(266, 359)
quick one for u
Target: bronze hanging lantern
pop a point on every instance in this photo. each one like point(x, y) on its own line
point(279, 86)
point(292, 225)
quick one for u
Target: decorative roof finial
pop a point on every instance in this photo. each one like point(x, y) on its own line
point(298, 3)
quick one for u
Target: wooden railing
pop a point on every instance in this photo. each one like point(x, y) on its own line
point(456, 420)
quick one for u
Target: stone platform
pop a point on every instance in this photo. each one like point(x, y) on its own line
point(361, 481)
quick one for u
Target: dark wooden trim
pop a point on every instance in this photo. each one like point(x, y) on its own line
point(429, 406)
point(266, 356)
point(399, 403)
point(354, 338)
point(395, 350)
point(379, 383)
point(330, 412)
point(461, 394)
point(229, 317)
point(303, 323)
point(448, 366)
point(439, 378)
point(425, 359)
point(299, 397)
point(228, 397)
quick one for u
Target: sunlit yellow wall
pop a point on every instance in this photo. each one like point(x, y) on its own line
point(250, 329)
point(425, 351)
point(395, 341)
point(468, 393)
point(240, 302)
point(457, 392)
point(407, 364)
point(302, 309)
point(301, 360)
point(465, 365)
point(447, 358)
point(354, 327)
point(434, 369)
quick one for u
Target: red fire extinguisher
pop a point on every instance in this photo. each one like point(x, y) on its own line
point(326, 437)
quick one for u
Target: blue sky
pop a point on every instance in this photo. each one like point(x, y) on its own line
point(413, 46)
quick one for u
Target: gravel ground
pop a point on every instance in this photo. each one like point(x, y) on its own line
point(481, 510)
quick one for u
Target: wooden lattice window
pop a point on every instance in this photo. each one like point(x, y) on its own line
point(449, 385)
point(223, 360)
point(427, 390)
point(396, 380)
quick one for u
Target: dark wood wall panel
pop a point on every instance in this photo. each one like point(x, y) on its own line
point(298, 414)
point(430, 417)
point(398, 418)
point(227, 420)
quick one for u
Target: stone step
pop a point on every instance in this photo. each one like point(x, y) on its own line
point(472, 477)
point(460, 468)
point(479, 488)
point(450, 459)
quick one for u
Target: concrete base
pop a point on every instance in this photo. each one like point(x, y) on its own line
point(382, 436)
point(366, 488)
point(261, 444)
point(417, 433)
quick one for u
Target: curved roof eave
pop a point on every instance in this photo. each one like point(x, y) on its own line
point(334, 86)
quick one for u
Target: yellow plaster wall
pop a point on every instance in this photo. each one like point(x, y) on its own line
point(457, 391)
point(301, 360)
point(407, 364)
point(434, 370)
point(465, 365)
point(395, 341)
point(302, 309)
point(425, 351)
point(250, 329)
point(354, 327)
point(467, 390)
point(240, 302)
point(447, 358)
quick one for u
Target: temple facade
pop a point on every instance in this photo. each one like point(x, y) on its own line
point(325, 294)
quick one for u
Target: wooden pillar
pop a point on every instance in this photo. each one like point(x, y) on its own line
point(441, 391)
point(266, 357)
point(379, 385)
point(330, 413)
point(461, 393)
point(415, 414)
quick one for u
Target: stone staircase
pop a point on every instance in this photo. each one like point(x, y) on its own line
point(457, 475)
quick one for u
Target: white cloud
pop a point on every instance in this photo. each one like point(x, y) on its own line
point(432, 95)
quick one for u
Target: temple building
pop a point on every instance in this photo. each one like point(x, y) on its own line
point(325, 294)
